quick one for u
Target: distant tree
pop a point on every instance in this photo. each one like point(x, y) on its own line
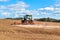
point(48, 19)
point(15, 18)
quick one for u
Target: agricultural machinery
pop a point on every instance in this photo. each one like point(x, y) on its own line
point(27, 19)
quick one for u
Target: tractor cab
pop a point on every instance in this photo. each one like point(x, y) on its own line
point(28, 17)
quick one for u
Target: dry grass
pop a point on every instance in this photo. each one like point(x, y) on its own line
point(8, 32)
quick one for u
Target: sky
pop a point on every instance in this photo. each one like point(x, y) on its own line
point(36, 8)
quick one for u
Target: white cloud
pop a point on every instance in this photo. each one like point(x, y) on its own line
point(19, 7)
point(52, 9)
point(16, 15)
point(44, 13)
point(41, 9)
point(35, 12)
point(58, 4)
point(5, 14)
point(3, 0)
point(2, 7)
point(57, 8)
point(27, 12)
point(47, 8)
point(1, 11)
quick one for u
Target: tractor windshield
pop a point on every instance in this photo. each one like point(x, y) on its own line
point(28, 17)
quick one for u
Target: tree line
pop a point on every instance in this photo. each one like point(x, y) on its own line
point(40, 19)
point(48, 20)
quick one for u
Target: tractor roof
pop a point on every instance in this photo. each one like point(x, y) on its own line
point(28, 15)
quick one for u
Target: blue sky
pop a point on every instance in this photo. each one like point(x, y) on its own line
point(37, 8)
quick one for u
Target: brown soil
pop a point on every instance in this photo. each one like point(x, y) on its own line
point(8, 32)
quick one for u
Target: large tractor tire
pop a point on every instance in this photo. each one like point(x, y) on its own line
point(31, 22)
point(27, 22)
